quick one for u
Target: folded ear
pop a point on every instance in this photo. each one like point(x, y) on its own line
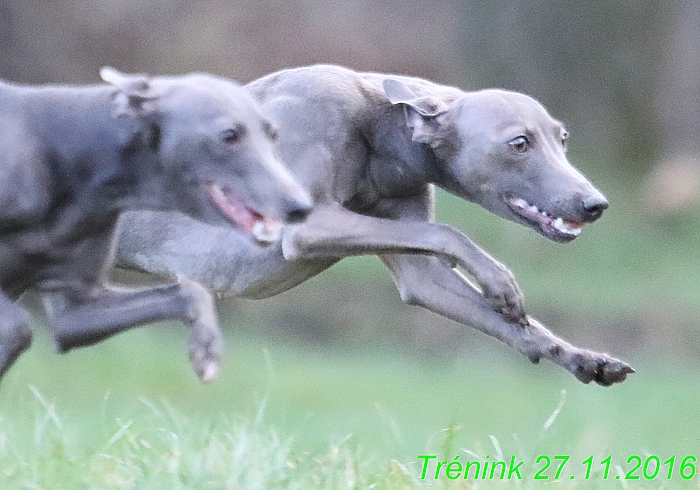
point(134, 95)
point(398, 93)
point(423, 114)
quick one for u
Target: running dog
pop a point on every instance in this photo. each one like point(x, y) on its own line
point(370, 148)
point(72, 158)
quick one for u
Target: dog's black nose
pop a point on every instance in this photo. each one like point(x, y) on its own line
point(594, 205)
point(297, 214)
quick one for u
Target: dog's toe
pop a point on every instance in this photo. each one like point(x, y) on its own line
point(612, 371)
point(210, 372)
point(205, 354)
point(205, 365)
point(601, 368)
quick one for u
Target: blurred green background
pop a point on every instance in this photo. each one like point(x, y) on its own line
point(339, 362)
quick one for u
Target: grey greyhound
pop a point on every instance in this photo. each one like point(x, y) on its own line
point(369, 148)
point(72, 158)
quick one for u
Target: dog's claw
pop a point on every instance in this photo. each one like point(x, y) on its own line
point(512, 311)
point(507, 303)
point(503, 293)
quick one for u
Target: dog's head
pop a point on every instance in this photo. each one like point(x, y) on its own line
point(216, 151)
point(503, 151)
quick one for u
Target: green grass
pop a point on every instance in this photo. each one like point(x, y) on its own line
point(130, 414)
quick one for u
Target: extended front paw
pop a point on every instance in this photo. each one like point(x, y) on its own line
point(206, 340)
point(503, 293)
point(205, 351)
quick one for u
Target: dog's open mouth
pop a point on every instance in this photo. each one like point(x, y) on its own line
point(264, 229)
point(555, 228)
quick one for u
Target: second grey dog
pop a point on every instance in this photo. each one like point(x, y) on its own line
point(73, 158)
point(369, 148)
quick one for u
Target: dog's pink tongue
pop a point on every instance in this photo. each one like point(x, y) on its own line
point(265, 230)
point(234, 208)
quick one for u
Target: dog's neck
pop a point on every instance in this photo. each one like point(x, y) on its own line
point(398, 165)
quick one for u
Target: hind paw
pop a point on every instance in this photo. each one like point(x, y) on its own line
point(605, 370)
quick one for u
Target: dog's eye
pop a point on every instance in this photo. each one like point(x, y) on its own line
point(270, 131)
point(519, 144)
point(565, 139)
point(233, 135)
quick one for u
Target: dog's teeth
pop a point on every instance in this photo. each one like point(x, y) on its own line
point(565, 227)
point(267, 231)
point(259, 227)
point(559, 224)
point(275, 229)
point(217, 189)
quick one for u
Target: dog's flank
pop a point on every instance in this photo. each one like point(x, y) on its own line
point(369, 148)
point(73, 158)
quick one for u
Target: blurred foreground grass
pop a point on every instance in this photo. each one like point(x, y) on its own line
point(130, 414)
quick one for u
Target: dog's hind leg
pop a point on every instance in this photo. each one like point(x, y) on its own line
point(427, 282)
point(78, 320)
point(15, 334)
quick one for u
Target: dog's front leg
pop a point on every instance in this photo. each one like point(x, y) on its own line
point(78, 320)
point(427, 282)
point(332, 231)
point(15, 334)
